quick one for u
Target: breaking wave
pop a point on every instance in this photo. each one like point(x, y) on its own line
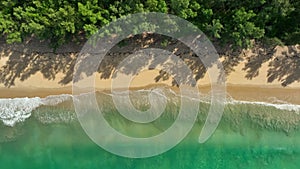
point(17, 110)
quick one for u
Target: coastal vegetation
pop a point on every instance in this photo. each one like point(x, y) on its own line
point(228, 21)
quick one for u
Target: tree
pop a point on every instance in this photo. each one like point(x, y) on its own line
point(229, 21)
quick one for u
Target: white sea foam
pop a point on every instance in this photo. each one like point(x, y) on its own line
point(17, 110)
point(284, 106)
point(55, 99)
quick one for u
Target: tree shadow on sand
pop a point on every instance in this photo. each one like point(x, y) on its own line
point(286, 67)
point(27, 59)
point(133, 45)
point(283, 63)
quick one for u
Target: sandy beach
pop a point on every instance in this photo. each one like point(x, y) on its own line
point(239, 85)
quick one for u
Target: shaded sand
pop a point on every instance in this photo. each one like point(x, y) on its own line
point(261, 63)
point(238, 87)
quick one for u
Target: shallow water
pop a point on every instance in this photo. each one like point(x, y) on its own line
point(250, 136)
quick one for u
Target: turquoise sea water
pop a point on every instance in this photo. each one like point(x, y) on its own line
point(250, 136)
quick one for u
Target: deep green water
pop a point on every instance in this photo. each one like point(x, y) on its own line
point(249, 137)
point(66, 146)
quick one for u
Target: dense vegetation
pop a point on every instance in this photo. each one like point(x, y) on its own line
point(231, 21)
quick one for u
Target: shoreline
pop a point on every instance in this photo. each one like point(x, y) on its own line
point(251, 93)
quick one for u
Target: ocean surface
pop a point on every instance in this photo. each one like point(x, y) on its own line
point(45, 133)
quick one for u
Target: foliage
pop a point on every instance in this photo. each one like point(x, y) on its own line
point(230, 21)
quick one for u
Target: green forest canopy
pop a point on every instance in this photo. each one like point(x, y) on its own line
point(229, 21)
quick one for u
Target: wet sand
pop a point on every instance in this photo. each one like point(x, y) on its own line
point(237, 92)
